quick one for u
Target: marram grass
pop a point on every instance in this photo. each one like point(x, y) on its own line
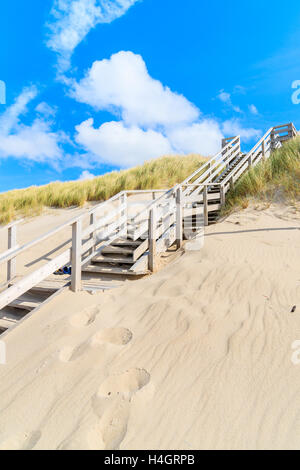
point(161, 173)
point(276, 179)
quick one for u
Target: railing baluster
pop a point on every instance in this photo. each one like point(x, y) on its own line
point(179, 218)
point(124, 214)
point(12, 242)
point(205, 206)
point(92, 235)
point(152, 240)
point(222, 195)
point(263, 150)
point(76, 256)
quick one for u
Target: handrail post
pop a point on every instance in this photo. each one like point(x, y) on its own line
point(205, 206)
point(179, 218)
point(222, 195)
point(152, 240)
point(76, 256)
point(263, 150)
point(124, 213)
point(272, 140)
point(12, 242)
point(92, 235)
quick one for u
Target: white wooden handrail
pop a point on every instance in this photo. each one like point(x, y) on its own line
point(253, 152)
point(12, 224)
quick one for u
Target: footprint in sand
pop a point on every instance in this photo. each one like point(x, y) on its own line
point(110, 430)
point(125, 384)
point(21, 441)
point(112, 406)
point(118, 336)
point(86, 317)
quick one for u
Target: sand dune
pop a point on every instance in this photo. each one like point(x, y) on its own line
point(198, 356)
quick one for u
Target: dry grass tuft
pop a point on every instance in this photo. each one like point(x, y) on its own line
point(161, 173)
point(277, 179)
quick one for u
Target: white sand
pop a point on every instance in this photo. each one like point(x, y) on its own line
point(197, 356)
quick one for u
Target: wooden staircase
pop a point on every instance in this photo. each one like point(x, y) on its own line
point(215, 189)
point(109, 244)
point(120, 258)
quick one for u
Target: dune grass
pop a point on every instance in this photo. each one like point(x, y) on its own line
point(276, 179)
point(160, 173)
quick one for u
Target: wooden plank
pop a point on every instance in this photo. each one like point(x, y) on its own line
point(12, 243)
point(92, 234)
point(76, 256)
point(111, 270)
point(141, 265)
point(263, 150)
point(205, 205)
point(16, 222)
point(25, 304)
point(179, 220)
point(116, 250)
point(140, 250)
point(125, 242)
point(124, 212)
point(27, 282)
point(44, 290)
point(6, 324)
point(112, 259)
point(152, 240)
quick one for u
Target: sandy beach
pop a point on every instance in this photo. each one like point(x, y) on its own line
point(197, 356)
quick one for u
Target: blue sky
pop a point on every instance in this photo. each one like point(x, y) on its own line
point(95, 85)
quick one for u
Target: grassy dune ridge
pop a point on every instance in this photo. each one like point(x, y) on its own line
point(160, 173)
point(276, 179)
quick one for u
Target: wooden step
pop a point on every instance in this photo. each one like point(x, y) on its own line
point(44, 291)
point(112, 259)
point(126, 242)
point(112, 250)
point(26, 303)
point(6, 324)
point(93, 268)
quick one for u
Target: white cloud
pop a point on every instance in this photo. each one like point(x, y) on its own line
point(86, 175)
point(10, 117)
point(201, 137)
point(45, 109)
point(253, 109)
point(233, 127)
point(123, 85)
point(34, 142)
point(117, 144)
point(73, 20)
point(226, 98)
point(153, 119)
